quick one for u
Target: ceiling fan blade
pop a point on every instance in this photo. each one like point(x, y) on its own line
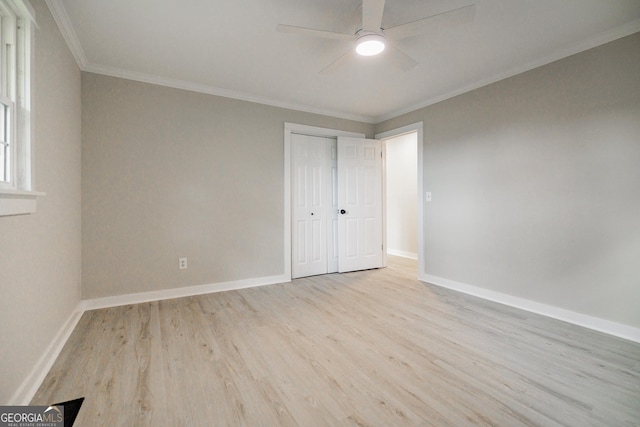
point(338, 63)
point(458, 16)
point(313, 33)
point(372, 11)
point(400, 59)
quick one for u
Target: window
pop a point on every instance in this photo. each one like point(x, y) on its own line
point(7, 92)
point(5, 141)
point(16, 192)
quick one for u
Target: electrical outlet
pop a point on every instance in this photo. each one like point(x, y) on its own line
point(182, 263)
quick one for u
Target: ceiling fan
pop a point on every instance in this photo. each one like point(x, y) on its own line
point(371, 39)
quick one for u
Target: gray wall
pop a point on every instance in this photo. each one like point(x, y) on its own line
point(168, 173)
point(40, 262)
point(536, 184)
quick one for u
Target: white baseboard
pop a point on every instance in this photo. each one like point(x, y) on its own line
point(30, 385)
point(601, 325)
point(404, 254)
point(114, 301)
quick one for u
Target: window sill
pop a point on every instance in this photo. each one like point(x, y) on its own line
point(17, 202)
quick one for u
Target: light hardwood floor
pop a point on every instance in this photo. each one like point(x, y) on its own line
point(374, 348)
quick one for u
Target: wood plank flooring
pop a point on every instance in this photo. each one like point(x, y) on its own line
point(371, 348)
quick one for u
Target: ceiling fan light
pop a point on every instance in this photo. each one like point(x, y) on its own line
point(370, 45)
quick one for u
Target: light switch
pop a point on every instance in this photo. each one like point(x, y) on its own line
point(427, 196)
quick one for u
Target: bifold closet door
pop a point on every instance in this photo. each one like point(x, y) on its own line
point(311, 201)
point(359, 204)
point(336, 205)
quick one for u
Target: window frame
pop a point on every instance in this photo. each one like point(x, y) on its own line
point(17, 195)
point(8, 53)
point(6, 143)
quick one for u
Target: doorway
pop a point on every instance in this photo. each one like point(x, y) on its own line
point(416, 128)
point(401, 170)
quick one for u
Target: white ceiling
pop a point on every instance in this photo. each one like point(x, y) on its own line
point(231, 47)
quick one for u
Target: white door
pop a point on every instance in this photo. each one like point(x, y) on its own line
point(312, 198)
point(359, 204)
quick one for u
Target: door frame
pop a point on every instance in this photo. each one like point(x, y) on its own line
point(291, 128)
point(419, 128)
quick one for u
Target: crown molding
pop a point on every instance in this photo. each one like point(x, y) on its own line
point(59, 14)
point(598, 40)
point(211, 90)
point(62, 19)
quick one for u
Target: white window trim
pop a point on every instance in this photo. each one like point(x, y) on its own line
point(20, 198)
point(16, 202)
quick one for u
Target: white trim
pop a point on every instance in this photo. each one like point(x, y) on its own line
point(15, 196)
point(30, 385)
point(26, 10)
point(59, 14)
point(61, 18)
point(137, 298)
point(290, 128)
point(21, 193)
point(319, 131)
point(595, 41)
point(25, 124)
point(212, 90)
point(597, 324)
point(385, 250)
point(32, 382)
point(16, 202)
point(419, 128)
point(403, 254)
point(64, 24)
